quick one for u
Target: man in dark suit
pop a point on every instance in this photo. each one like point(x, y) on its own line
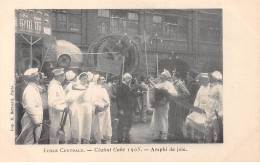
point(124, 101)
point(178, 114)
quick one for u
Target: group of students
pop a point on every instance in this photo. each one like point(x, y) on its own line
point(90, 105)
point(176, 113)
point(83, 99)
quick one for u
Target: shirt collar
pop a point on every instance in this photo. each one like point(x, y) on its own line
point(57, 81)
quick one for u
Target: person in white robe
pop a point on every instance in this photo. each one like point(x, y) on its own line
point(32, 104)
point(74, 100)
point(101, 126)
point(57, 105)
point(159, 123)
point(194, 119)
point(214, 109)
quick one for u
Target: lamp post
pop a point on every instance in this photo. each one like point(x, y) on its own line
point(155, 40)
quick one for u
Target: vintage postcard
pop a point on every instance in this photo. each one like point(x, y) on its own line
point(117, 81)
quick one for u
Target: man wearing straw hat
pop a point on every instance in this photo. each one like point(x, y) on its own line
point(159, 123)
point(32, 104)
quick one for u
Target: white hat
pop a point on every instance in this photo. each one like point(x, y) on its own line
point(70, 75)
point(204, 75)
point(217, 75)
point(90, 76)
point(57, 72)
point(166, 73)
point(127, 75)
point(31, 72)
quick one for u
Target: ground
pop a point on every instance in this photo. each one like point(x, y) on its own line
point(141, 132)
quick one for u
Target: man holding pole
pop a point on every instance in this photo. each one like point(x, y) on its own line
point(57, 106)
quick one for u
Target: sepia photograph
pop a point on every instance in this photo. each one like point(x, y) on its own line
point(118, 76)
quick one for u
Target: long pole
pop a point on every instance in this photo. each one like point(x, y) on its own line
point(145, 51)
point(31, 55)
point(123, 68)
point(156, 36)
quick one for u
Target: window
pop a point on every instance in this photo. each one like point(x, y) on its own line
point(103, 21)
point(157, 19)
point(66, 20)
point(103, 13)
point(170, 27)
point(210, 31)
point(118, 21)
point(74, 22)
point(132, 27)
point(157, 25)
point(175, 28)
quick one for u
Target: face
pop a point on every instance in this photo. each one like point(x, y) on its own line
point(36, 79)
point(102, 81)
point(204, 81)
point(60, 78)
point(83, 80)
point(128, 80)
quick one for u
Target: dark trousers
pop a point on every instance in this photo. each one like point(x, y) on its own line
point(124, 127)
point(177, 117)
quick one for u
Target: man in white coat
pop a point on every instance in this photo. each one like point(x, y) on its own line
point(197, 120)
point(101, 127)
point(159, 123)
point(57, 104)
point(32, 104)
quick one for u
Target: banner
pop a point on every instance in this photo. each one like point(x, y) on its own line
point(109, 66)
point(33, 22)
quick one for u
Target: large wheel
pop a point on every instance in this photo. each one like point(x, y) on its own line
point(64, 61)
point(120, 44)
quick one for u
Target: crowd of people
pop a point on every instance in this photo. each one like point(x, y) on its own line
point(82, 109)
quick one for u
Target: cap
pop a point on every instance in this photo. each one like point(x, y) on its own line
point(204, 75)
point(57, 72)
point(166, 73)
point(31, 72)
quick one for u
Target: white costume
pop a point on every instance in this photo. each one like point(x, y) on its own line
point(33, 114)
point(159, 121)
point(215, 102)
point(75, 102)
point(57, 104)
point(195, 119)
point(101, 126)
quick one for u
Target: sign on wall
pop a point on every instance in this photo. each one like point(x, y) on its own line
point(33, 22)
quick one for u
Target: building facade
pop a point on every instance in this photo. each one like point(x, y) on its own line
point(194, 36)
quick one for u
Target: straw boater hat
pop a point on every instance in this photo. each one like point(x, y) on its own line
point(57, 72)
point(204, 76)
point(31, 72)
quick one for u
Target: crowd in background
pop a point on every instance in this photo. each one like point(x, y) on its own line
point(89, 108)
